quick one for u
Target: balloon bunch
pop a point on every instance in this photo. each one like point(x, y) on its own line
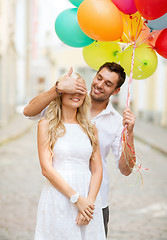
point(109, 30)
point(129, 32)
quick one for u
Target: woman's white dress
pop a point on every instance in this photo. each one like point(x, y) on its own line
point(56, 216)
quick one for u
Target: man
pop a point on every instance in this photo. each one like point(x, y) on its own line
point(109, 122)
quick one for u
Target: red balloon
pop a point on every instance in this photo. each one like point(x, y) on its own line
point(151, 9)
point(161, 43)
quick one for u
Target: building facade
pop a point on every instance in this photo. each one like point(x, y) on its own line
point(32, 58)
point(7, 60)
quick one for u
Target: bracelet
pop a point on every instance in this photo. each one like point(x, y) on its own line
point(74, 198)
point(57, 89)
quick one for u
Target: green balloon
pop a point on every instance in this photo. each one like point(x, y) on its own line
point(145, 61)
point(98, 53)
point(76, 2)
point(69, 31)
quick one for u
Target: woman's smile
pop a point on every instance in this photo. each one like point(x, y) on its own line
point(75, 99)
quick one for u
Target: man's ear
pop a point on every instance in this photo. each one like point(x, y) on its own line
point(116, 91)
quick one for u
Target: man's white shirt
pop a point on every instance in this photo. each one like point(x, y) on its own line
point(110, 125)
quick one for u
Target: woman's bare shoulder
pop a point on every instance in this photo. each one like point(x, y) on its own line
point(43, 123)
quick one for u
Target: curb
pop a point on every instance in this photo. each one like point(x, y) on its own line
point(15, 136)
point(15, 128)
point(151, 143)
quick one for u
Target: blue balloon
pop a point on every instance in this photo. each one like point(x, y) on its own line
point(69, 31)
point(158, 24)
point(76, 2)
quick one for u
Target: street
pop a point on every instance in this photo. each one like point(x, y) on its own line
point(136, 212)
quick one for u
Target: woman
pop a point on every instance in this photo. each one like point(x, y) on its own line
point(70, 160)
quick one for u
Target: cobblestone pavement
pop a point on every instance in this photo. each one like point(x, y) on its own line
point(135, 213)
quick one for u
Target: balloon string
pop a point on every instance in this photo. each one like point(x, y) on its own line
point(132, 65)
point(145, 39)
point(128, 30)
point(131, 75)
point(129, 40)
point(138, 31)
point(125, 130)
point(131, 158)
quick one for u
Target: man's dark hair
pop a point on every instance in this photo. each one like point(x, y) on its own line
point(115, 67)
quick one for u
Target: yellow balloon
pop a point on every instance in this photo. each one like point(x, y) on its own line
point(145, 61)
point(98, 53)
point(132, 25)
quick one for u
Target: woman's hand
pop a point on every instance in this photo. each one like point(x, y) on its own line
point(85, 207)
point(81, 220)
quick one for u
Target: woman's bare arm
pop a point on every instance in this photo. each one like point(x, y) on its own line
point(45, 157)
point(97, 173)
point(95, 182)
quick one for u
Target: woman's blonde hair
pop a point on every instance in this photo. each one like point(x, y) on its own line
point(56, 126)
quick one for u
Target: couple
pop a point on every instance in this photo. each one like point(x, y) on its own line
point(72, 150)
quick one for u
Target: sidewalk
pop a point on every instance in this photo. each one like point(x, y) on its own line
point(135, 214)
point(147, 132)
point(151, 134)
point(16, 128)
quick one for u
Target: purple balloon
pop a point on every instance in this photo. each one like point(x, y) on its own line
point(126, 6)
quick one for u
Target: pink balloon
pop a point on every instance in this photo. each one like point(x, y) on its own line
point(126, 6)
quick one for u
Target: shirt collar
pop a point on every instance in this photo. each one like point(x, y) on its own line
point(109, 109)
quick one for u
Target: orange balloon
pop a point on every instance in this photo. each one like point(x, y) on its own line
point(100, 20)
point(132, 25)
point(148, 36)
